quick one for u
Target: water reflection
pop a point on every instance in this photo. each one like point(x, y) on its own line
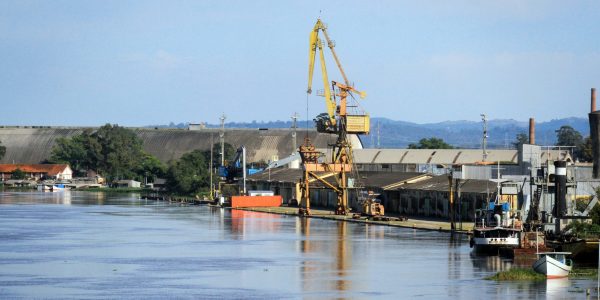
point(344, 257)
point(67, 197)
point(244, 222)
point(319, 275)
point(207, 252)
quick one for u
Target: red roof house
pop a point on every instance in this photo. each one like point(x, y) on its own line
point(37, 171)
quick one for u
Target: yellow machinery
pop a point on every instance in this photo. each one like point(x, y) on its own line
point(371, 207)
point(338, 120)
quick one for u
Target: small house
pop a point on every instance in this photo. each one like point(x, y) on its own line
point(127, 183)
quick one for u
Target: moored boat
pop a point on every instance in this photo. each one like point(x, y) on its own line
point(498, 226)
point(553, 264)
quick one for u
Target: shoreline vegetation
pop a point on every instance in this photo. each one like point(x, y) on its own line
point(109, 190)
point(527, 274)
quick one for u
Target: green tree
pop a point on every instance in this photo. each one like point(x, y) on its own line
point(188, 175)
point(431, 143)
point(150, 168)
point(521, 139)
point(113, 151)
point(119, 152)
point(80, 152)
point(2, 150)
point(18, 174)
point(568, 136)
point(586, 150)
point(229, 154)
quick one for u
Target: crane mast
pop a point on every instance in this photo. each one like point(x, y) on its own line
point(337, 120)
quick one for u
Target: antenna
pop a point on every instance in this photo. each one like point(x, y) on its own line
point(485, 136)
point(378, 136)
point(294, 142)
point(222, 137)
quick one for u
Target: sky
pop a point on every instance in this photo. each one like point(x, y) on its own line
point(135, 63)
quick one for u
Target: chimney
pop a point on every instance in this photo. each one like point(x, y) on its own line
point(593, 102)
point(594, 118)
point(532, 131)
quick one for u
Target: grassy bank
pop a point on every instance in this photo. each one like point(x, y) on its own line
point(17, 188)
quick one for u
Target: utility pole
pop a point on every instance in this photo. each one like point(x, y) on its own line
point(222, 136)
point(211, 166)
point(451, 199)
point(378, 136)
point(294, 142)
point(485, 136)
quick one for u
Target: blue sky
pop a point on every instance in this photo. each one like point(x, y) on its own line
point(152, 62)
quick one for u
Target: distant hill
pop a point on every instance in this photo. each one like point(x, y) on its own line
point(464, 134)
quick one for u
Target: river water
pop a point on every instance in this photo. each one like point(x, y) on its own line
point(95, 245)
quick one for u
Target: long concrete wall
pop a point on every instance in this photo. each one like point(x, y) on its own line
point(34, 145)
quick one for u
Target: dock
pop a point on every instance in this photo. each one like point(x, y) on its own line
point(414, 223)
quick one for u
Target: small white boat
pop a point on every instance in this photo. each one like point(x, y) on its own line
point(44, 187)
point(553, 264)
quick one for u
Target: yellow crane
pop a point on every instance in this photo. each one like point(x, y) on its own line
point(338, 120)
point(336, 109)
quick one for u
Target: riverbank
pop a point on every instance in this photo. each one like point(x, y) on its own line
point(415, 223)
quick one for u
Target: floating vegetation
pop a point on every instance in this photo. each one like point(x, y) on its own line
point(584, 273)
point(517, 274)
point(529, 274)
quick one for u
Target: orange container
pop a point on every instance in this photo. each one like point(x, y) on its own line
point(255, 201)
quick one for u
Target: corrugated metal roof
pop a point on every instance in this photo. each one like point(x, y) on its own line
point(384, 180)
point(387, 156)
point(365, 155)
point(470, 156)
point(444, 156)
point(417, 156)
point(440, 184)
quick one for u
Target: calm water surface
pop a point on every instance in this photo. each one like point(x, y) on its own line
point(94, 245)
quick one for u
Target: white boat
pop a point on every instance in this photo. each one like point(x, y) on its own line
point(553, 264)
point(44, 187)
point(51, 187)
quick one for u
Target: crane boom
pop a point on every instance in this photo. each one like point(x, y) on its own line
point(316, 43)
point(338, 120)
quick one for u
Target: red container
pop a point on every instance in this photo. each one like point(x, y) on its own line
point(255, 201)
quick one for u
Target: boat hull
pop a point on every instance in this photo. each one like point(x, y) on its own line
point(550, 267)
point(493, 245)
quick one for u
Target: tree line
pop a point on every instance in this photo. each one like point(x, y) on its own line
point(116, 153)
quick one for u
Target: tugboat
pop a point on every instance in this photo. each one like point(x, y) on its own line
point(497, 226)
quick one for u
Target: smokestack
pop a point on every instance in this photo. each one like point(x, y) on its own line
point(532, 131)
point(594, 118)
point(593, 102)
point(560, 192)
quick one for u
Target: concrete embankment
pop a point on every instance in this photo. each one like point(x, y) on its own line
point(423, 224)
